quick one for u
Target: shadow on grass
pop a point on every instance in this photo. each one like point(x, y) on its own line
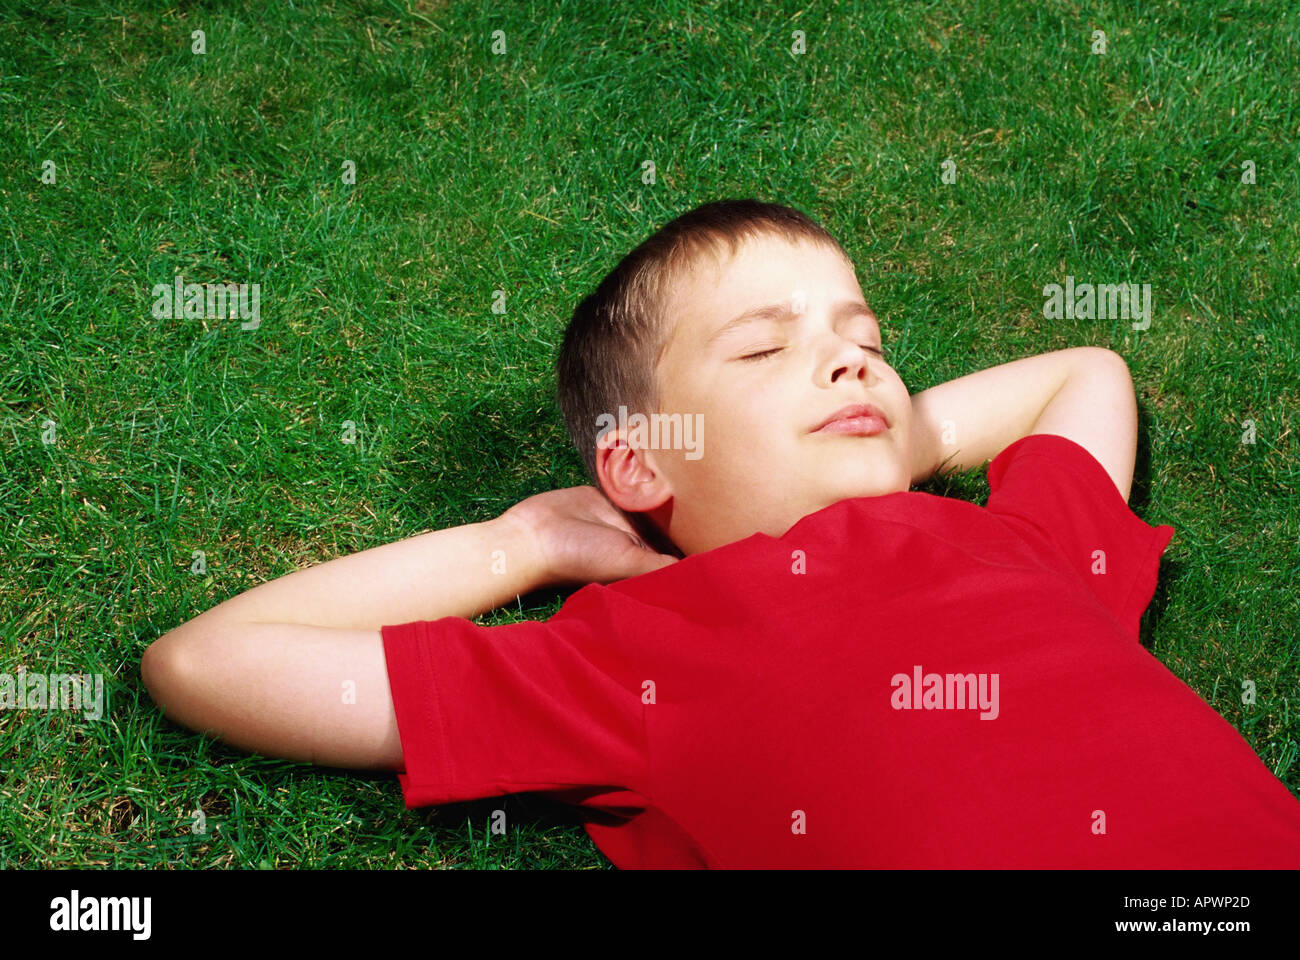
point(1170, 570)
point(478, 460)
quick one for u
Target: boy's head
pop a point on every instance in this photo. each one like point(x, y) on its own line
point(656, 337)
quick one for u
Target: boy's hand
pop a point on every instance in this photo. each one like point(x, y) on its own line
point(581, 538)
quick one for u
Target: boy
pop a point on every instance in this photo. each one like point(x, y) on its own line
point(802, 663)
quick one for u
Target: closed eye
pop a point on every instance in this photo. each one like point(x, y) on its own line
point(767, 353)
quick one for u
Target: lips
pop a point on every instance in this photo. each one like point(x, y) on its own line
point(865, 418)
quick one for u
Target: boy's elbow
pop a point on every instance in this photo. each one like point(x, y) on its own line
point(163, 670)
point(1108, 358)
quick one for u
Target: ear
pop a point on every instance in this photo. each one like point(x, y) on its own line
point(629, 476)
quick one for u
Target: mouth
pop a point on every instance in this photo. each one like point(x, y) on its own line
point(859, 419)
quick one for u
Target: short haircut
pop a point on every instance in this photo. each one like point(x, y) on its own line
point(618, 333)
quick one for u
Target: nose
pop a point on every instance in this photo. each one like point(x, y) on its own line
point(846, 360)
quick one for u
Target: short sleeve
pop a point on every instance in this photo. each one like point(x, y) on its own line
point(533, 706)
point(1058, 489)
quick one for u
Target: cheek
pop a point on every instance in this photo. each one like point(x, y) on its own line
point(902, 400)
point(746, 444)
point(736, 442)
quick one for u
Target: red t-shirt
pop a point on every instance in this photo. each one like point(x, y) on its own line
point(757, 705)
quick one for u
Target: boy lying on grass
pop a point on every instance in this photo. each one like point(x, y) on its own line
point(780, 656)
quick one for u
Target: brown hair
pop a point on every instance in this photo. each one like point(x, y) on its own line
point(618, 333)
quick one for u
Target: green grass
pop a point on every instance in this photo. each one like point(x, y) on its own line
point(523, 172)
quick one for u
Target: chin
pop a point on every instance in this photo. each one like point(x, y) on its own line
point(873, 485)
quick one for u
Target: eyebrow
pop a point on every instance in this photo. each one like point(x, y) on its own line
point(784, 313)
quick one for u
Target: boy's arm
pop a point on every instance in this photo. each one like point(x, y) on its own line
point(1082, 393)
point(457, 572)
point(295, 668)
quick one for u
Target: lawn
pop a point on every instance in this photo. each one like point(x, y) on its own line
point(380, 171)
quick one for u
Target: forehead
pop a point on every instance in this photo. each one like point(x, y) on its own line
point(769, 262)
point(764, 270)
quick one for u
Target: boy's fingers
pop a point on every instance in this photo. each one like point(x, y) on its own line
point(658, 561)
